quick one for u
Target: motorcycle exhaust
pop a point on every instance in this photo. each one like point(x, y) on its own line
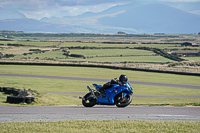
point(89, 88)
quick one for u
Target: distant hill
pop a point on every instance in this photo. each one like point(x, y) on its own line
point(155, 18)
point(32, 25)
point(136, 17)
point(10, 14)
point(186, 6)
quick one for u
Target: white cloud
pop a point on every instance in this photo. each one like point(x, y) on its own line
point(195, 12)
point(64, 11)
point(38, 9)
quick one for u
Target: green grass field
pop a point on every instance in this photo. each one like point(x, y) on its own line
point(111, 52)
point(105, 126)
point(54, 55)
point(34, 43)
point(99, 56)
point(192, 58)
point(60, 85)
point(75, 44)
point(103, 73)
point(141, 59)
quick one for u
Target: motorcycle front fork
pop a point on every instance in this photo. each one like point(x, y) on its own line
point(123, 98)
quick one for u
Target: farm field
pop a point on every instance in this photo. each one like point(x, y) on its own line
point(19, 51)
point(106, 55)
point(34, 43)
point(122, 54)
point(113, 44)
point(117, 54)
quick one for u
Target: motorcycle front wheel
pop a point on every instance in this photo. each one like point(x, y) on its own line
point(119, 102)
point(88, 101)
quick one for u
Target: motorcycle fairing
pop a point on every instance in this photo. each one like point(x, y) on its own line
point(97, 86)
point(111, 93)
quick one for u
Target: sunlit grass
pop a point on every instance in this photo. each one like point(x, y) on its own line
point(102, 126)
point(60, 85)
point(79, 86)
point(101, 73)
point(36, 43)
point(75, 44)
point(110, 52)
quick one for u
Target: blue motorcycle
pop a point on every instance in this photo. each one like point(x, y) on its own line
point(121, 96)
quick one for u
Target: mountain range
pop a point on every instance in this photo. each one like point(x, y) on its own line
point(130, 18)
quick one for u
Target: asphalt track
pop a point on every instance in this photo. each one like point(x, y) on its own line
point(105, 80)
point(58, 113)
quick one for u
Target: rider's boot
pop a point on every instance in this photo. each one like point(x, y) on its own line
point(102, 92)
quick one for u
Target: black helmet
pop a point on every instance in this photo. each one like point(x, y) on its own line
point(123, 78)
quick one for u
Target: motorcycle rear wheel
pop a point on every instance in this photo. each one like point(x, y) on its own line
point(119, 102)
point(88, 101)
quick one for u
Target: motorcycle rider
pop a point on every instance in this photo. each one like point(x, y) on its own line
point(119, 81)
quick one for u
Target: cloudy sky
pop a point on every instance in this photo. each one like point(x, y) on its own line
point(38, 9)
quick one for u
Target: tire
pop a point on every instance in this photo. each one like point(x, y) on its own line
point(1, 89)
point(16, 92)
point(87, 101)
point(15, 99)
point(29, 100)
point(10, 99)
point(19, 99)
point(9, 90)
point(5, 89)
point(125, 103)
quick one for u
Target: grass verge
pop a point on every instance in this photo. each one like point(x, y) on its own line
point(157, 101)
point(101, 73)
point(45, 99)
point(104, 126)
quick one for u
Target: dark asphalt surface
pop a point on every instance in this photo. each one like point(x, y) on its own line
point(105, 80)
point(58, 113)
